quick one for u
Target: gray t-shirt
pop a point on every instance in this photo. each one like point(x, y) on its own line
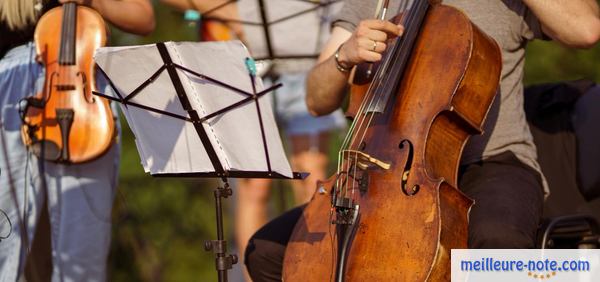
point(512, 25)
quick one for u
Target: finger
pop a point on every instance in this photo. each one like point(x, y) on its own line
point(377, 35)
point(380, 47)
point(371, 45)
point(384, 26)
point(365, 43)
point(369, 56)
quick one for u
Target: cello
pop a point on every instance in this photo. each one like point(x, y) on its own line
point(393, 210)
point(65, 123)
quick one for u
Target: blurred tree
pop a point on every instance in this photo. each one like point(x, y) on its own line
point(548, 61)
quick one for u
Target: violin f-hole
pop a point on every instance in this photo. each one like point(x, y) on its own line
point(84, 86)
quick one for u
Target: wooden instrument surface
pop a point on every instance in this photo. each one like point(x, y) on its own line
point(65, 46)
point(411, 214)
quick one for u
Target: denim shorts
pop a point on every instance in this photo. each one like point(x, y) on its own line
point(292, 113)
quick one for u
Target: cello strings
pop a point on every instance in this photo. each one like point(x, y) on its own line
point(396, 50)
point(367, 100)
point(362, 122)
point(371, 96)
point(379, 75)
point(366, 103)
point(376, 80)
point(381, 15)
point(359, 117)
point(412, 17)
point(412, 28)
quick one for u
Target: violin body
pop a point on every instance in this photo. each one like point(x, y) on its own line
point(411, 214)
point(213, 30)
point(65, 123)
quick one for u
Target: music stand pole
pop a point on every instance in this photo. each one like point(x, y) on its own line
point(223, 261)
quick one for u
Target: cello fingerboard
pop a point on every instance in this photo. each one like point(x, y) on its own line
point(389, 75)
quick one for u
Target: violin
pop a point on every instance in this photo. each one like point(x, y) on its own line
point(393, 210)
point(213, 30)
point(65, 123)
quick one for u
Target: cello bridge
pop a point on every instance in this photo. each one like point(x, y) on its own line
point(364, 160)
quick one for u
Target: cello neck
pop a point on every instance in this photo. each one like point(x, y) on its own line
point(67, 34)
point(396, 59)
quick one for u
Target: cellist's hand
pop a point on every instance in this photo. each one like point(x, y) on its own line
point(368, 41)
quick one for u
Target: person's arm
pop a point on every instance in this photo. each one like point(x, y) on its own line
point(575, 23)
point(326, 82)
point(222, 9)
point(135, 16)
point(200, 5)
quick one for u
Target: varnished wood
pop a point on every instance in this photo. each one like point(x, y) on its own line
point(445, 94)
point(93, 128)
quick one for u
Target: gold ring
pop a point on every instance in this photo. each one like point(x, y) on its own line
point(374, 45)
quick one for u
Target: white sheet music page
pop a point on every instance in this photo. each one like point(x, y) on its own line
point(170, 145)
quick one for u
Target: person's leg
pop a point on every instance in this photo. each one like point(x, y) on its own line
point(508, 203)
point(21, 200)
point(251, 210)
point(264, 255)
point(80, 199)
point(20, 195)
point(309, 154)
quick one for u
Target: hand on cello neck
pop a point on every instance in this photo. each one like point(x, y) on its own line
point(368, 42)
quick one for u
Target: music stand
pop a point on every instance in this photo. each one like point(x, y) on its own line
point(267, 23)
point(219, 159)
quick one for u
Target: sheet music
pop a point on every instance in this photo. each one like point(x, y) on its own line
point(169, 145)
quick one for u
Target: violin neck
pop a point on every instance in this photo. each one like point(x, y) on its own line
point(68, 33)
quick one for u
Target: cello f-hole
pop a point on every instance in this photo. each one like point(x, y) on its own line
point(406, 144)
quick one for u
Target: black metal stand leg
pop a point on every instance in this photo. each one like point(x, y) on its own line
point(223, 261)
